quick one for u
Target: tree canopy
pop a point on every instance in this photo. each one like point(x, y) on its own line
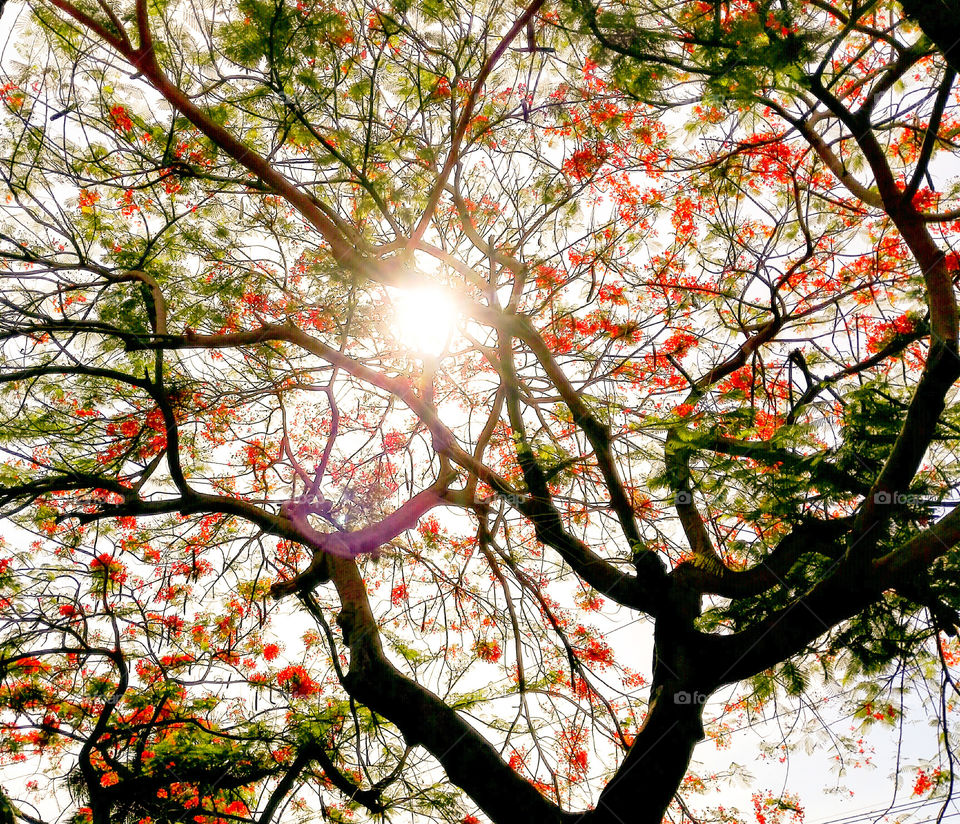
point(364, 363)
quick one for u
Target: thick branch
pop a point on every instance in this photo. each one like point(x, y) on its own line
point(595, 570)
point(645, 782)
point(358, 542)
point(599, 437)
point(930, 138)
point(469, 760)
point(764, 452)
point(940, 21)
point(641, 591)
point(809, 537)
point(840, 596)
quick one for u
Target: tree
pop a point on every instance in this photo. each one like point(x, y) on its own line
point(699, 257)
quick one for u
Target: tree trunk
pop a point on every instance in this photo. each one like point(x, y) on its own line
point(647, 780)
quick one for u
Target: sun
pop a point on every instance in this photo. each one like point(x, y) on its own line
point(424, 320)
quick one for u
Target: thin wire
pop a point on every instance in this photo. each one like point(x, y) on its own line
point(906, 806)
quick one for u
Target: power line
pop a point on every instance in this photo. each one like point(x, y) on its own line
point(906, 806)
point(937, 818)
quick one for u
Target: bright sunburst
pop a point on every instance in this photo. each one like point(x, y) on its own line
point(424, 320)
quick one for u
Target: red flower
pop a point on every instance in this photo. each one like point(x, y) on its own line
point(105, 563)
point(296, 680)
point(584, 162)
point(121, 120)
point(924, 782)
point(488, 651)
point(86, 200)
point(578, 764)
point(30, 666)
point(236, 808)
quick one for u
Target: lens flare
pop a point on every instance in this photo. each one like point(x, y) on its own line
point(424, 320)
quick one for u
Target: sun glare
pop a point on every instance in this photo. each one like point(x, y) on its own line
point(424, 320)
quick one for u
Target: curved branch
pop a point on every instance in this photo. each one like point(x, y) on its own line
point(848, 589)
point(809, 537)
point(470, 761)
point(930, 138)
point(453, 155)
